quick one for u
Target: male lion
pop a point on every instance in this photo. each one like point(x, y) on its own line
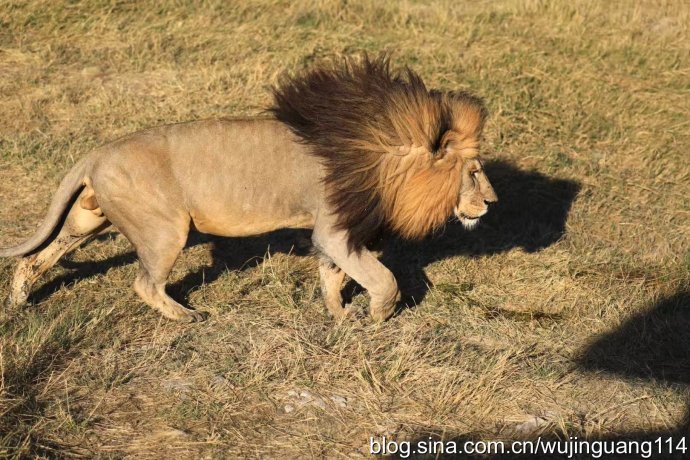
point(352, 150)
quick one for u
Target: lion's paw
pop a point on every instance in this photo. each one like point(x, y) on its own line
point(348, 313)
point(12, 303)
point(196, 316)
point(186, 315)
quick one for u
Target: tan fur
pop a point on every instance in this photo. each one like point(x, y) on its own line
point(249, 176)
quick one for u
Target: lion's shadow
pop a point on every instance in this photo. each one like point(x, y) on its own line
point(226, 254)
point(531, 214)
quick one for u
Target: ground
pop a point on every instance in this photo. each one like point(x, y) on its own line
point(566, 313)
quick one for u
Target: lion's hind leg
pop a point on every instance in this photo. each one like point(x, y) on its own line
point(152, 291)
point(158, 247)
point(152, 219)
point(79, 226)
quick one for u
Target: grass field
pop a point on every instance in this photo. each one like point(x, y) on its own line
point(566, 313)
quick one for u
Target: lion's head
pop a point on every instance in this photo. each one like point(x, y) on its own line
point(398, 156)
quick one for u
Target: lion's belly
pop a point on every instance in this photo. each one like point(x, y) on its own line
point(247, 223)
point(249, 199)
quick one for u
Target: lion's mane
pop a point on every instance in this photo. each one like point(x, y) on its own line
point(378, 134)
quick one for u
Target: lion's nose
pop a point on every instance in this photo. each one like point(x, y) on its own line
point(490, 201)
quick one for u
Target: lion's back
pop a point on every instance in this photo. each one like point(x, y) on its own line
point(234, 176)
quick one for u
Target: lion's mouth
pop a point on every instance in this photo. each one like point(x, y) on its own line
point(469, 222)
point(462, 215)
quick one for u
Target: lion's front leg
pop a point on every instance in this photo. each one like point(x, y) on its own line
point(362, 266)
point(331, 278)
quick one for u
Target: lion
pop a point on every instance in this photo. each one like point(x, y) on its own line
point(350, 149)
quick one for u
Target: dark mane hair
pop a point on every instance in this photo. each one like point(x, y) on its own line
point(358, 117)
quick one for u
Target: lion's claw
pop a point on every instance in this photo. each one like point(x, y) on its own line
point(193, 316)
point(186, 315)
point(197, 316)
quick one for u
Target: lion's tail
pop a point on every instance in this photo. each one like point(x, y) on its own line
point(63, 199)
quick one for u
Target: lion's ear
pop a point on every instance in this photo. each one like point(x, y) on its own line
point(449, 141)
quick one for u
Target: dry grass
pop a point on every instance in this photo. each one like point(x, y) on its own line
point(584, 322)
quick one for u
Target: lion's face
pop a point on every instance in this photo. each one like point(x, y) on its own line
point(425, 190)
point(476, 193)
